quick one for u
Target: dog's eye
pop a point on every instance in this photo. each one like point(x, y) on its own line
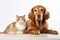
point(35, 10)
point(41, 10)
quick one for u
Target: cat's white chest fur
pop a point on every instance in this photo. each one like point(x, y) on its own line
point(21, 26)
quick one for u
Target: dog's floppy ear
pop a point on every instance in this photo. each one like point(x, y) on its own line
point(31, 15)
point(46, 15)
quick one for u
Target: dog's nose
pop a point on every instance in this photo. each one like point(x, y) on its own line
point(39, 16)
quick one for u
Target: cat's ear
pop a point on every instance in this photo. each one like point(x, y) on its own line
point(16, 15)
point(24, 15)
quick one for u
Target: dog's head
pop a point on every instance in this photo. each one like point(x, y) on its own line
point(39, 13)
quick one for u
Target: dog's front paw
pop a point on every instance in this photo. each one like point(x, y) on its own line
point(36, 32)
point(52, 32)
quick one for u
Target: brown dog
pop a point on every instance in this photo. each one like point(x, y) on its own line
point(37, 22)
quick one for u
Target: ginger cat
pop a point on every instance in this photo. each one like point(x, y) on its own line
point(17, 27)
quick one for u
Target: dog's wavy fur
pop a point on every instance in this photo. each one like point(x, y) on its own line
point(32, 24)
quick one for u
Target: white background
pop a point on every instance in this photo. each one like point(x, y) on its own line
point(10, 8)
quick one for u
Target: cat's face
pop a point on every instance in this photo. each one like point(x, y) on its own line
point(20, 18)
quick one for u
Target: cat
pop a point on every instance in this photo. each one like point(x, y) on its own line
point(17, 27)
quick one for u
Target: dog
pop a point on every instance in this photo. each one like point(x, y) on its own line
point(17, 27)
point(37, 23)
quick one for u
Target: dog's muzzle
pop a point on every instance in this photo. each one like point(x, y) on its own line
point(40, 17)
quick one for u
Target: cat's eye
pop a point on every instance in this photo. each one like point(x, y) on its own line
point(35, 10)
